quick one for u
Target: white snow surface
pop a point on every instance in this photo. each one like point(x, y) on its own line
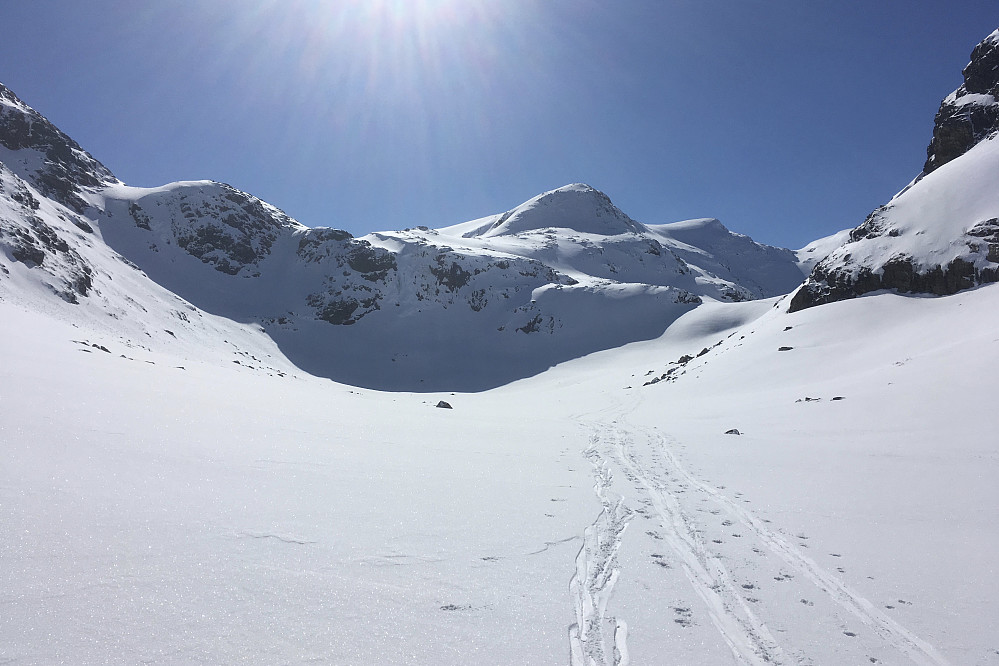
point(159, 504)
point(819, 249)
point(928, 221)
point(509, 297)
point(738, 486)
point(578, 207)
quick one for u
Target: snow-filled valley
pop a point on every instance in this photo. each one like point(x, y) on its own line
point(157, 508)
point(554, 435)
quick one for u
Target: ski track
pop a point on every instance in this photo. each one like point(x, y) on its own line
point(596, 639)
point(916, 649)
point(645, 459)
point(746, 635)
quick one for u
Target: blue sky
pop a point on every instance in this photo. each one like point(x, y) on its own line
point(786, 120)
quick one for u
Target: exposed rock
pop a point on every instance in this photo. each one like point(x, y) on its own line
point(372, 263)
point(971, 112)
point(936, 252)
point(532, 326)
point(444, 405)
point(829, 284)
point(67, 168)
point(733, 431)
point(452, 278)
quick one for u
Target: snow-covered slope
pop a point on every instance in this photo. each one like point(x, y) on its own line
point(160, 507)
point(941, 233)
point(466, 307)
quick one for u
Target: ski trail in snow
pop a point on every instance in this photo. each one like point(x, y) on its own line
point(645, 458)
point(747, 636)
point(596, 639)
point(916, 649)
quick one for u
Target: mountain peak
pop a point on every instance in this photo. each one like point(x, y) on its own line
point(970, 113)
point(577, 206)
point(39, 152)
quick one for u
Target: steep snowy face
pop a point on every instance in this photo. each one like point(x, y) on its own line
point(970, 113)
point(941, 233)
point(37, 151)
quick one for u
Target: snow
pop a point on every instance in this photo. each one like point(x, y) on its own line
point(967, 99)
point(929, 219)
point(819, 249)
point(418, 329)
point(724, 483)
point(226, 513)
point(569, 207)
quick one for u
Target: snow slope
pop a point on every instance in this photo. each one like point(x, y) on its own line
point(940, 234)
point(466, 307)
point(162, 507)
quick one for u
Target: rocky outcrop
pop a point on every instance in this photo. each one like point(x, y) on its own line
point(60, 169)
point(931, 238)
point(971, 112)
point(900, 274)
point(28, 237)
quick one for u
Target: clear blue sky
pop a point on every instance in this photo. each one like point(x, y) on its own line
point(788, 120)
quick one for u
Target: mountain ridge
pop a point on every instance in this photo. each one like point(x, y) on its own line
point(561, 275)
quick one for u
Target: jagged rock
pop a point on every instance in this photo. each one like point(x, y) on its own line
point(444, 405)
point(828, 284)
point(65, 169)
point(971, 112)
point(733, 431)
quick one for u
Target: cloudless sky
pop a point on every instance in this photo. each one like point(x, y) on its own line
point(787, 120)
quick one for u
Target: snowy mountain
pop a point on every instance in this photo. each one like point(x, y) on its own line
point(465, 307)
point(747, 481)
point(941, 233)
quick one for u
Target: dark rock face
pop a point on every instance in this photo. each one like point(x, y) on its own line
point(828, 285)
point(220, 225)
point(28, 239)
point(67, 167)
point(970, 113)
point(372, 263)
point(452, 278)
